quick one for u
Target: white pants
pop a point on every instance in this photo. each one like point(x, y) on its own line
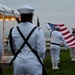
point(72, 52)
point(27, 68)
point(55, 53)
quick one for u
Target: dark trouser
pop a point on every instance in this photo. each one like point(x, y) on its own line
point(0, 69)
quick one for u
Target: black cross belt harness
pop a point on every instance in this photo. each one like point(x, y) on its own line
point(25, 42)
point(44, 72)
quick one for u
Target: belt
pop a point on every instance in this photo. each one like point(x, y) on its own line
point(55, 44)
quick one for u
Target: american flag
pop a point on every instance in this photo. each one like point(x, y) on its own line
point(69, 38)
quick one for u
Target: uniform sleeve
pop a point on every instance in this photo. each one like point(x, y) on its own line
point(12, 49)
point(64, 42)
point(10, 42)
point(41, 45)
point(48, 27)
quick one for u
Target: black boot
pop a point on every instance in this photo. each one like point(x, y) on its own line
point(1, 70)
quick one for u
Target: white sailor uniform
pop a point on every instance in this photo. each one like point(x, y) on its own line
point(72, 50)
point(26, 63)
point(55, 39)
point(26, 58)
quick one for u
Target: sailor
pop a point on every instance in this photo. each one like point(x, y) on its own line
point(55, 39)
point(72, 50)
point(26, 63)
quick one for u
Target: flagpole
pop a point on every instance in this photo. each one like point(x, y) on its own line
point(38, 24)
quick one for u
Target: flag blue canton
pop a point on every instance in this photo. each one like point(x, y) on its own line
point(52, 26)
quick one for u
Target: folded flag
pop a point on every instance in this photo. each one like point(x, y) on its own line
point(69, 38)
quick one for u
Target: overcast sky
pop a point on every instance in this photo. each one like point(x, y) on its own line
point(53, 11)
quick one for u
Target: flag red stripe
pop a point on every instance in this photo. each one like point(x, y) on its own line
point(68, 37)
point(70, 40)
point(61, 25)
point(72, 44)
point(63, 29)
point(65, 33)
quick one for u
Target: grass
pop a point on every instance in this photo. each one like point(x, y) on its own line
point(7, 71)
point(67, 67)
